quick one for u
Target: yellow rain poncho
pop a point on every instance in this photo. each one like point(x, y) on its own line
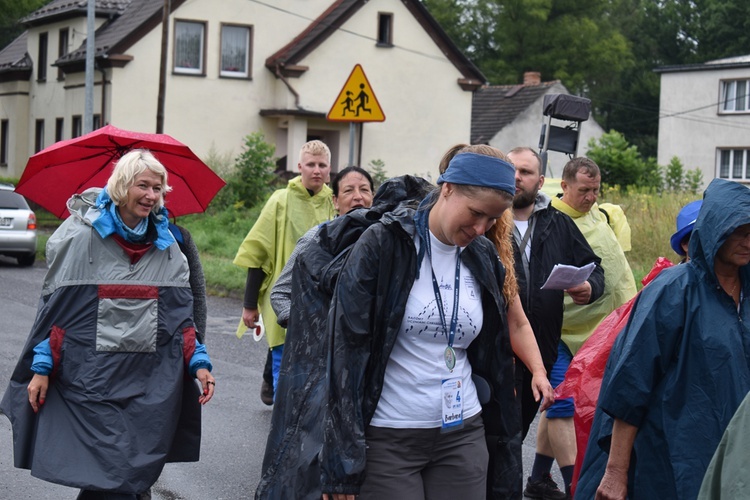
point(286, 216)
point(579, 322)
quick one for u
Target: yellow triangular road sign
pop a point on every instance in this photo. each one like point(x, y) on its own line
point(356, 101)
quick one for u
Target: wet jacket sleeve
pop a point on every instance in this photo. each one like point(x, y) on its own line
point(199, 359)
point(197, 283)
point(643, 352)
point(281, 292)
point(42, 364)
point(351, 319)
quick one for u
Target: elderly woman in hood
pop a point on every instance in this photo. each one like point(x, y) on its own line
point(681, 366)
point(104, 374)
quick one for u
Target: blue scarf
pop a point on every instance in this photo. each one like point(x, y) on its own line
point(109, 222)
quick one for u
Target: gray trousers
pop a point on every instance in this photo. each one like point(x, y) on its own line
point(425, 464)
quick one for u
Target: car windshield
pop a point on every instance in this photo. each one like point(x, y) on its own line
point(13, 201)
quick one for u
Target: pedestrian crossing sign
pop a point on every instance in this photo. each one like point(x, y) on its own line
point(356, 101)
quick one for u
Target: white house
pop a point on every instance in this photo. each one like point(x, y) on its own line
point(235, 67)
point(508, 116)
point(704, 117)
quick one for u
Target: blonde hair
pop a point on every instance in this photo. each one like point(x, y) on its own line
point(130, 166)
point(502, 231)
point(315, 148)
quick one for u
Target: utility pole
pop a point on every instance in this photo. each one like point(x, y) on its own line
point(88, 115)
point(163, 68)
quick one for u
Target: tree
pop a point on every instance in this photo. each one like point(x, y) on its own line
point(250, 181)
point(11, 11)
point(619, 162)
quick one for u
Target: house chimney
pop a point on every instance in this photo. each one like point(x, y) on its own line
point(531, 78)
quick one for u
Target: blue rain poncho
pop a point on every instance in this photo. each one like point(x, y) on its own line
point(681, 367)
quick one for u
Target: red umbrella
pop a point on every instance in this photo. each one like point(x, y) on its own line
point(68, 167)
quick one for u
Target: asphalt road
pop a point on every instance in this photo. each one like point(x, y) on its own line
point(235, 422)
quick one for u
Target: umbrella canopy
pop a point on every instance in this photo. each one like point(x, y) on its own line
point(56, 173)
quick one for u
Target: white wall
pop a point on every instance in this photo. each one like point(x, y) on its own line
point(690, 126)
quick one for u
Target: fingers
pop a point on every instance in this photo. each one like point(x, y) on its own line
point(37, 390)
point(208, 384)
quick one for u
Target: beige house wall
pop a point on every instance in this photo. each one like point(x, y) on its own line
point(426, 110)
point(691, 126)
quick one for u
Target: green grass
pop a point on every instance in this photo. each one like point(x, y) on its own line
point(652, 223)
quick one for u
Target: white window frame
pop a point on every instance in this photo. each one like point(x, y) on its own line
point(236, 73)
point(735, 96)
point(732, 164)
point(179, 65)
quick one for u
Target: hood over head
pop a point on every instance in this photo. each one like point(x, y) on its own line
point(726, 206)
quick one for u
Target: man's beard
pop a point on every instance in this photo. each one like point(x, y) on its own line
point(524, 199)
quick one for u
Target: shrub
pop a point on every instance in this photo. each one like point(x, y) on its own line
point(250, 181)
point(377, 171)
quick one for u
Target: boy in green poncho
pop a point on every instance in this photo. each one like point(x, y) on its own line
point(288, 214)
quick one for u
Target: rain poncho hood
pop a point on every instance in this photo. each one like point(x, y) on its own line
point(290, 467)
point(681, 367)
point(286, 216)
point(120, 403)
point(579, 321)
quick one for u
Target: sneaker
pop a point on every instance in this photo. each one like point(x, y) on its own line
point(266, 393)
point(544, 489)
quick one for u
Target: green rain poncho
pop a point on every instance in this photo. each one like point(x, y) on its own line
point(579, 322)
point(286, 216)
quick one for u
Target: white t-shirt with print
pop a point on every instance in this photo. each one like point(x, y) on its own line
point(412, 388)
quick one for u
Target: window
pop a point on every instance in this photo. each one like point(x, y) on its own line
point(733, 164)
point(77, 129)
point(734, 96)
point(235, 50)
point(39, 136)
point(189, 47)
point(59, 124)
point(62, 50)
point(97, 122)
point(4, 142)
point(385, 29)
point(41, 70)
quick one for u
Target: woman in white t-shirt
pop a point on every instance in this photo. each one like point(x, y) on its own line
point(421, 360)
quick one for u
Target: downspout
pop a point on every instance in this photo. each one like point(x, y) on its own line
point(288, 85)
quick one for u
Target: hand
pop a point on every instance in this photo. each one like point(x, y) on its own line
point(338, 496)
point(581, 294)
point(208, 384)
point(541, 387)
point(38, 391)
point(614, 485)
point(250, 317)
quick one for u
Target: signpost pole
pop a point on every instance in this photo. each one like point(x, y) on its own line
point(352, 132)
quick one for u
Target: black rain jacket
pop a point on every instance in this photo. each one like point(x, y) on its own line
point(365, 317)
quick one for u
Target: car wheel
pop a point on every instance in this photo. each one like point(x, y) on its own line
point(26, 260)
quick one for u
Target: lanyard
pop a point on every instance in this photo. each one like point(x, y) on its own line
point(450, 354)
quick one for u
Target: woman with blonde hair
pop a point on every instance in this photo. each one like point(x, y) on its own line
point(106, 375)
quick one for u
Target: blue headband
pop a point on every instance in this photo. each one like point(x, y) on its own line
point(471, 169)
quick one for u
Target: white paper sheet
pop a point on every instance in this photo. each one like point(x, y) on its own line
point(563, 276)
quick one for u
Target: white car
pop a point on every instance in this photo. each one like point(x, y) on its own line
point(17, 227)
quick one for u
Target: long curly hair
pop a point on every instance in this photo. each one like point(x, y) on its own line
point(502, 231)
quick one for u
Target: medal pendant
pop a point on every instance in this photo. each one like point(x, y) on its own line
point(450, 358)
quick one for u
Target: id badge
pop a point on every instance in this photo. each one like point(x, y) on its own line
point(453, 404)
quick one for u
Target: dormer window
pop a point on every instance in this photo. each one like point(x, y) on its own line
point(41, 70)
point(734, 96)
point(385, 29)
